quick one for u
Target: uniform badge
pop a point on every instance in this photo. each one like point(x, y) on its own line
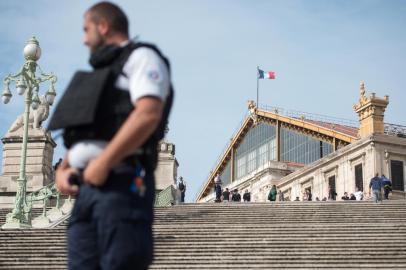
point(153, 75)
point(138, 185)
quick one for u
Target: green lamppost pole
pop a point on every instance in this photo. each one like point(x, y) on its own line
point(27, 82)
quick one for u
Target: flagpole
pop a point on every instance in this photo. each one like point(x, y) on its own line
point(257, 84)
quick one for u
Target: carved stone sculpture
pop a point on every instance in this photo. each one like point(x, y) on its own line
point(253, 109)
point(36, 117)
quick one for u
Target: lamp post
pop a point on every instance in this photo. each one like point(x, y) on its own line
point(27, 82)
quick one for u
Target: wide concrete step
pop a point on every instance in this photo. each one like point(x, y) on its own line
point(278, 265)
point(297, 235)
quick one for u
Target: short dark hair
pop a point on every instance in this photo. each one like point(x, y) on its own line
point(112, 13)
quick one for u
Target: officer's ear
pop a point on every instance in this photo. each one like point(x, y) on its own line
point(103, 27)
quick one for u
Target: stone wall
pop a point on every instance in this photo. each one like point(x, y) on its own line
point(373, 153)
point(40, 149)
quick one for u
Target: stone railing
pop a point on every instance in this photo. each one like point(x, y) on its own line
point(53, 216)
point(396, 130)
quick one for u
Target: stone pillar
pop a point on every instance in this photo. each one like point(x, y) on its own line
point(167, 167)
point(40, 150)
point(371, 113)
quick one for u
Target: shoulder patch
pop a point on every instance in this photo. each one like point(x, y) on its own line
point(153, 75)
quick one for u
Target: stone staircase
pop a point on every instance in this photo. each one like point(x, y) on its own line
point(4, 211)
point(287, 235)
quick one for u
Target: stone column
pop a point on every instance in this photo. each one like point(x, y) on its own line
point(40, 150)
point(167, 167)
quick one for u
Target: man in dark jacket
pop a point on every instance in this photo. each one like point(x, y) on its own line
point(182, 189)
point(236, 196)
point(387, 186)
point(345, 197)
point(226, 195)
point(247, 196)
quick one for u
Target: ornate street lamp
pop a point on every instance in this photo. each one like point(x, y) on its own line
point(27, 82)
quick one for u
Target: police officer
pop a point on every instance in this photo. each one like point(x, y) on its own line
point(182, 189)
point(112, 119)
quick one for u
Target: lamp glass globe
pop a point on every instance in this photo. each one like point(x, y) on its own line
point(5, 99)
point(20, 90)
point(50, 99)
point(32, 51)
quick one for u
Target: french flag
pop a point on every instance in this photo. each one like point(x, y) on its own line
point(266, 74)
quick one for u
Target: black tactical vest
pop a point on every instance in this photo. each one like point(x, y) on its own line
point(93, 108)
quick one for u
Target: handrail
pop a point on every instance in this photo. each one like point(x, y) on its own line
point(309, 116)
point(55, 215)
point(42, 194)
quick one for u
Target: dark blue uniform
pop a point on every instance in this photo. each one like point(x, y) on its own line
point(111, 226)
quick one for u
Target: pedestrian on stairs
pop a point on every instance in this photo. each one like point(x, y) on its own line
point(247, 196)
point(182, 189)
point(387, 186)
point(217, 187)
point(272, 194)
point(345, 197)
point(376, 186)
point(236, 196)
point(359, 195)
point(226, 195)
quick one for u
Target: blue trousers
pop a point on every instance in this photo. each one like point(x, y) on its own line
point(110, 227)
point(376, 193)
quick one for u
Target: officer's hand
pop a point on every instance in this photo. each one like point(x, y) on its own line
point(61, 179)
point(96, 172)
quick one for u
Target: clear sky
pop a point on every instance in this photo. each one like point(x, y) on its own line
point(320, 51)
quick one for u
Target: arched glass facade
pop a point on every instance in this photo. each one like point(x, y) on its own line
point(226, 174)
point(299, 148)
point(258, 147)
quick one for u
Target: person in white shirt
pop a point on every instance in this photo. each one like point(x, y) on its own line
point(111, 223)
point(359, 195)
